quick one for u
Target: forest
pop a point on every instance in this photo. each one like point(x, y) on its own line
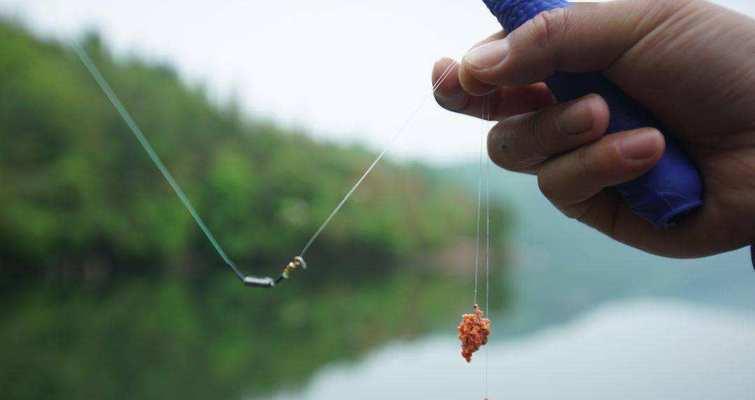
point(109, 290)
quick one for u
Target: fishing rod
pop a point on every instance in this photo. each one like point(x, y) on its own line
point(669, 191)
point(663, 195)
point(297, 263)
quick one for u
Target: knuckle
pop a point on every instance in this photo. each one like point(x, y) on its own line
point(548, 25)
point(669, 6)
point(656, 12)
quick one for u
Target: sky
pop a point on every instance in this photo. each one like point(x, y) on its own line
point(344, 70)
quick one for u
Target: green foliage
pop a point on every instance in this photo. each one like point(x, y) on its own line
point(77, 183)
point(157, 339)
point(110, 290)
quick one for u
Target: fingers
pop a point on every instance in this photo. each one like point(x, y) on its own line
point(608, 213)
point(572, 179)
point(524, 142)
point(581, 38)
point(501, 103)
point(479, 88)
point(449, 93)
point(496, 36)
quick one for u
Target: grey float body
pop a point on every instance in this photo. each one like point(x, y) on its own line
point(253, 281)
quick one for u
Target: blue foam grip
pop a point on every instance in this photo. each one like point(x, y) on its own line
point(673, 187)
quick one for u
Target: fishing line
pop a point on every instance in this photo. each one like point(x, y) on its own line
point(474, 328)
point(478, 217)
point(134, 127)
point(369, 169)
point(487, 116)
point(295, 264)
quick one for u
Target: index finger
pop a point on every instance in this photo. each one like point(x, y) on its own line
point(501, 103)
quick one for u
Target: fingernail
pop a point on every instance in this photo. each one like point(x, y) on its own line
point(639, 145)
point(488, 55)
point(577, 118)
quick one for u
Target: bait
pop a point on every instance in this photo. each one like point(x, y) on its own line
point(474, 330)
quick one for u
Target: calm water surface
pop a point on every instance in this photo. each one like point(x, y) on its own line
point(631, 350)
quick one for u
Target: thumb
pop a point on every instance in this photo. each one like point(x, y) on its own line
point(584, 37)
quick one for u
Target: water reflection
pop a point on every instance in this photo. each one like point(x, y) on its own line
point(629, 350)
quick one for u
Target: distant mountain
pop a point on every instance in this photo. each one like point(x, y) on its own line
point(560, 268)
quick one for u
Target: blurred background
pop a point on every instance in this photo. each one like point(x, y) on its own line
point(266, 112)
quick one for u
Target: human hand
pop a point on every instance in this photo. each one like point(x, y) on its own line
point(688, 61)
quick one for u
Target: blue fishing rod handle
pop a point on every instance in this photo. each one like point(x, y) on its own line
point(673, 187)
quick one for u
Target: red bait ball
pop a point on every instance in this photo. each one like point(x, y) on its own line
point(474, 330)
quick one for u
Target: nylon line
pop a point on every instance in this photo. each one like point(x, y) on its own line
point(374, 163)
point(134, 127)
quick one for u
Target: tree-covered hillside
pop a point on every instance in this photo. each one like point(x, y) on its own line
point(78, 188)
point(110, 291)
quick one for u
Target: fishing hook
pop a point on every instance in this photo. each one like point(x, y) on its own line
point(267, 282)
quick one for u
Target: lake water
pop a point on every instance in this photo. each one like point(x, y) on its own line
point(651, 349)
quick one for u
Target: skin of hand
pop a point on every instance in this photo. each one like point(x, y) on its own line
point(689, 62)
